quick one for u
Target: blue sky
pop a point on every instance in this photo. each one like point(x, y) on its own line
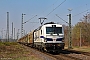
point(41, 8)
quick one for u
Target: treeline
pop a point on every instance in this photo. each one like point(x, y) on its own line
point(80, 32)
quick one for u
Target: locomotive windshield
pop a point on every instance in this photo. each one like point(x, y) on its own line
point(53, 30)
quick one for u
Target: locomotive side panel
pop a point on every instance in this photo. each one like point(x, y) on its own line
point(37, 40)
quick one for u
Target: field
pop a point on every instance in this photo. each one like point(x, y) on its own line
point(82, 48)
point(15, 51)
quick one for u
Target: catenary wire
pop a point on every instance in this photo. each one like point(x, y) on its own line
point(56, 8)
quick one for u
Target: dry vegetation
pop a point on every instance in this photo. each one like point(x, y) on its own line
point(15, 51)
point(80, 31)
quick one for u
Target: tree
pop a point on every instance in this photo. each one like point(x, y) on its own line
point(66, 34)
point(84, 25)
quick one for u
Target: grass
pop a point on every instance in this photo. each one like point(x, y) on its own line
point(15, 51)
point(27, 58)
point(8, 43)
point(83, 48)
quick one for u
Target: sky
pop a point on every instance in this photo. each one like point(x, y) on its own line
point(41, 8)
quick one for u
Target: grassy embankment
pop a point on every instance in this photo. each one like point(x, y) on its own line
point(15, 51)
point(83, 48)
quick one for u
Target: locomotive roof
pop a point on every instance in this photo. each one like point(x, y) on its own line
point(50, 23)
point(44, 24)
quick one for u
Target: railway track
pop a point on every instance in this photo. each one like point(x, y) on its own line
point(75, 55)
point(63, 55)
point(71, 55)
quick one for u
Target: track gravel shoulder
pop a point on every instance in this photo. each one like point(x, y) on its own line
point(41, 55)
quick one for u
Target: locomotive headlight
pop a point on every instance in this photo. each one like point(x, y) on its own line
point(58, 45)
point(63, 40)
point(61, 35)
point(45, 40)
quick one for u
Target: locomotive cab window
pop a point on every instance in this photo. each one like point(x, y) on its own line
point(53, 30)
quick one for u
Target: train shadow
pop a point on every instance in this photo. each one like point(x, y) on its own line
point(64, 52)
point(54, 53)
point(69, 52)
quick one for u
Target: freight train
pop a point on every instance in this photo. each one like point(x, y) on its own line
point(49, 37)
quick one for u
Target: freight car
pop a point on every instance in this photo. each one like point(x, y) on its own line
point(27, 39)
point(48, 37)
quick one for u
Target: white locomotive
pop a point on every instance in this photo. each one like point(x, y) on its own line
point(49, 37)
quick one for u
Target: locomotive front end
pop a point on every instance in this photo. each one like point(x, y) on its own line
point(54, 38)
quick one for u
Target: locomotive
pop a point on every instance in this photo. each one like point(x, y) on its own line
point(49, 37)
